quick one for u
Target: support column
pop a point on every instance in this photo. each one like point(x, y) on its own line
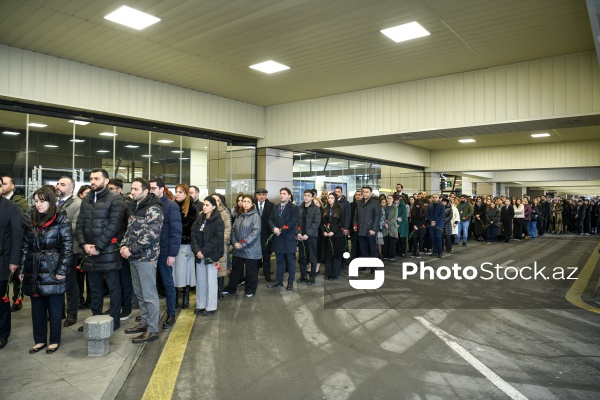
point(274, 171)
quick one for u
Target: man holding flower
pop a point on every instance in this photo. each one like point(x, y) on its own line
point(283, 222)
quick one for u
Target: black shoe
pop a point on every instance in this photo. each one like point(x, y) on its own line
point(34, 350)
point(199, 310)
point(440, 255)
point(107, 312)
point(268, 279)
point(3, 343)
point(465, 244)
point(290, 286)
point(145, 337)
point(138, 318)
point(302, 280)
point(80, 329)
point(169, 322)
point(84, 305)
point(207, 313)
point(311, 281)
point(275, 285)
point(185, 303)
point(52, 350)
point(125, 315)
point(71, 320)
point(15, 307)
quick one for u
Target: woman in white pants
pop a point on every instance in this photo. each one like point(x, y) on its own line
point(208, 245)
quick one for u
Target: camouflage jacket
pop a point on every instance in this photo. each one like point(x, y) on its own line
point(143, 229)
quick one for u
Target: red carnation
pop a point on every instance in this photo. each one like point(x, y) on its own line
point(243, 241)
point(5, 299)
point(285, 227)
point(113, 240)
point(36, 295)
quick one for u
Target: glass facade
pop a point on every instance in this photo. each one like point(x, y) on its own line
point(324, 172)
point(38, 149)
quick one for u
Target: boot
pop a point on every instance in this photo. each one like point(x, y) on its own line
point(185, 303)
point(176, 298)
point(221, 283)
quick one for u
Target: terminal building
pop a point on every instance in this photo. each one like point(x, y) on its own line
point(498, 98)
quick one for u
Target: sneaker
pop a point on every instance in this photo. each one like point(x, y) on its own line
point(248, 295)
point(392, 259)
point(430, 253)
point(416, 256)
point(303, 280)
point(465, 244)
point(125, 315)
point(226, 292)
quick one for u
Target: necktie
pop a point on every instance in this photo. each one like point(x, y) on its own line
point(281, 212)
point(60, 202)
point(261, 209)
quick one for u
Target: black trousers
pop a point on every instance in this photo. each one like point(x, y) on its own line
point(354, 250)
point(113, 282)
point(389, 246)
point(266, 262)
point(332, 267)
point(519, 228)
point(237, 270)
point(41, 308)
point(307, 253)
point(83, 280)
point(126, 287)
point(4, 313)
point(401, 246)
point(448, 242)
point(417, 240)
point(72, 293)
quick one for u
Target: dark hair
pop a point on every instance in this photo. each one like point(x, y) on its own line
point(195, 188)
point(337, 209)
point(104, 173)
point(338, 187)
point(314, 192)
point(286, 189)
point(211, 200)
point(309, 191)
point(117, 182)
point(12, 182)
point(367, 187)
point(83, 189)
point(145, 184)
point(44, 194)
point(71, 181)
point(221, 198)
point(248, 196)
point(159, 182)
point(399, 184)
point(421, 210)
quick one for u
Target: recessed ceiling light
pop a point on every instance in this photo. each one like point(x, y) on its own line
point(467, 140)
point(10, 133)
point(536, 135)
point(74, 121)
point(269, 67)
point(299, 154)
point(177, 151)
point(146, 155)
point(108, 134)
point(132, 146)
point(103, 151)
point(77, 140)
point(132, 18)
point(37, 125)
point(404, 32)
point(164, 141)
point(52, 146)
point(206, 147)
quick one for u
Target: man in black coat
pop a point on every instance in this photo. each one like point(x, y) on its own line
point(367, 217)
point(309, 218)
point(264, 208)
point(580, 213)
point(99, 230)
point(283, 223)
point(10, 236)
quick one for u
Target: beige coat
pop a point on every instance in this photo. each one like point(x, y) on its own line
point(226, 217)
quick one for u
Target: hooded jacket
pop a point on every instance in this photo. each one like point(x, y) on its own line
point(247, 231)
point(45, 253)
point(144, 228)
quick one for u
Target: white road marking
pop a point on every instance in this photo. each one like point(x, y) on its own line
point(478, 365)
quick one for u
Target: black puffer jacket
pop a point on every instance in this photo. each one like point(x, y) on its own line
point(99, 223)
point(45, 253)
point(211, 239)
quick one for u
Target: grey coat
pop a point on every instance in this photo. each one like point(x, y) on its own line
point(368, 216)
point(246, 231)
point(313, 219)
point(72, 207)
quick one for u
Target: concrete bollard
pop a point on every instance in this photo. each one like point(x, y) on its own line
point(98, 329)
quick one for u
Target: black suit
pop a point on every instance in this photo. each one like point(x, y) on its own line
point(11, 235)
point(265, 231)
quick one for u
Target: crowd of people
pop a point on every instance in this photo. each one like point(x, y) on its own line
point(71, 249)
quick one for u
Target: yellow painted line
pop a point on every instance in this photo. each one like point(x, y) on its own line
point(574, 294)
point(163, 379)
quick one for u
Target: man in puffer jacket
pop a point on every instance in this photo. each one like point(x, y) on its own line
point(98, 233)
point(141, 246)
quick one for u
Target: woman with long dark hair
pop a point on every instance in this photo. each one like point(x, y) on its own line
point(519, 219)
point(208, 233)
point(333, 241)
point(183, 269)
point(418, 219)
point(45, 260)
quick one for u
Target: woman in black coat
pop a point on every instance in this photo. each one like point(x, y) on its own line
point(333, 239)
point(45, 259)
point(208, 245)
point(416, 228)
point(507, 214)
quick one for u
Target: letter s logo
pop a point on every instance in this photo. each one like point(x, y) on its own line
point(366, 262)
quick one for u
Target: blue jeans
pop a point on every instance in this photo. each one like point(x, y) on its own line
point(280, 257)
point(143, 276)
point(463, 226)
point(166, 274)
point(532, 228)
point(436, 239)
point(491, 233)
